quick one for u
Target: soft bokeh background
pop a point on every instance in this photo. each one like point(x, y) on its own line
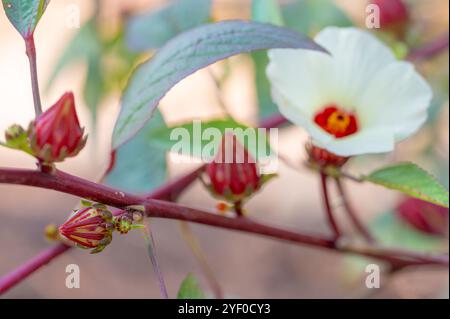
point(246, 266)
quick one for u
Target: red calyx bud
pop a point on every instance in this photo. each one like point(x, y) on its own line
point(394, 15)
point(322, 157)
point(424, 216)
point(233, 175)
point(56, 134)
point(90, 227)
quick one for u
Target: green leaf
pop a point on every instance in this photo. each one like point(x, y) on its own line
point(190, 289)
point(140, 164)
point(198, 139)
point(311, 16)
point(412, 180)
point(17, 139)
point(25, 14)
point(267, 11)
point(187, 53)
point(152, 30)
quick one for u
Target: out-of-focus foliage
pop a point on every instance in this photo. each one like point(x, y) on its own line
point(311, 16)
point(190, 289)
point(108, 62)
point(267, 11)
point(153, 29)
point(140, 164)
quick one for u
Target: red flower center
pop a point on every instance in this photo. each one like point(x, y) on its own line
point(337, 121)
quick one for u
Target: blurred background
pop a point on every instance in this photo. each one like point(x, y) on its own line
point(246, 266)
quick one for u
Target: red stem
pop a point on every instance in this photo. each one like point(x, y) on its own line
point(31, 53)
point(76, 186)
point(167, 192)
point(327, 204)
point(352, 214)
point(430, 50)
point(31, 266)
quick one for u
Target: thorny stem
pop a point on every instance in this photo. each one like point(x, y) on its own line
point(194, 245)
point(327, 204)
point(351, 212)
point(31, 53)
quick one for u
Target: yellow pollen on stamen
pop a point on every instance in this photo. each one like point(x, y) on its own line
point(338, 122)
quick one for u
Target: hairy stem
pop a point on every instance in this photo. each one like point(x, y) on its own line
point(31, 53)
point(327, 204)
point(352, 214)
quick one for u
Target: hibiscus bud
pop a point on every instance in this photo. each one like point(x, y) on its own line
point(123, 224)
point(424, 216)
point(394, 15)
point(89, 228)
point(233, 175)
point(322, 157)
point(56, 134)
point(14, 132)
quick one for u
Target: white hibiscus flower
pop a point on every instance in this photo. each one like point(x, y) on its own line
point(358, 100)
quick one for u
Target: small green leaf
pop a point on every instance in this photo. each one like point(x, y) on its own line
point(17, 139)
point(25, 14)
point(188, 53)
point(412, 180)
point(190, 289)
point(267, 11)
point(202, 139)
point(152, 30)
point(140, 164)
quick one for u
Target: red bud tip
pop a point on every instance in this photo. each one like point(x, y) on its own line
point(424, 216)
point(394, 15)
point(233, 175)
point(56, 134)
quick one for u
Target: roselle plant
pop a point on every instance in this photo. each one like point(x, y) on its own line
point(346, 88)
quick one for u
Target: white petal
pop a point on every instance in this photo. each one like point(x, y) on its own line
point(397, 98)
point(364, 142)
point(357, 57)
point(300, 77)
